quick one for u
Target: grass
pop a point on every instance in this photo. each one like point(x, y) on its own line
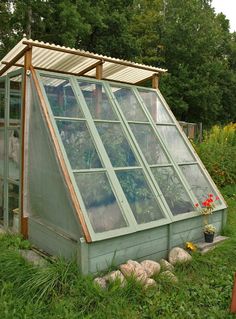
point(58, 291)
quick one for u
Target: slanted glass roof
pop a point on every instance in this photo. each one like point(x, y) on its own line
point(130, 163)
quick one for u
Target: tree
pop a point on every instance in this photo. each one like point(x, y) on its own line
point(195, 48)
point(185, 36)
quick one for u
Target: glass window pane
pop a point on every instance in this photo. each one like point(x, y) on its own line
point(103, 211)
point(78, 144)
point(139, 195)
point(13, 202)
point(129, 104)
point(198, 182)
point(15, 98)
point(61, 97)
point(1, 152)
point(149, 144)
point(175, 144)
point(97, 101)
point(177, 198)
point(14, 154)
point(116, 145)
point(155, 106)
point(2, 103)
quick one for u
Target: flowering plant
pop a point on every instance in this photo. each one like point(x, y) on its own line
point(209, 228)
point(208, 205)
point(207, 209)
point(190, 246)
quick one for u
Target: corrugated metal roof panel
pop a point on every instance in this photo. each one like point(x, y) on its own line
point(54, 57)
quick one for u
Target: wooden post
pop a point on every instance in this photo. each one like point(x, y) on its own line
point(155, 85)
point(233, 302)
point(13, 61)
point(155, 81)
point(200, 132)
point(99, 69)
point(27, 65)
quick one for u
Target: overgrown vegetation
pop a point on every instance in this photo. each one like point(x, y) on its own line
point(218, 153)
point(59, 291)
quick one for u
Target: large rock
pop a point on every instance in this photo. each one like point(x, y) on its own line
point(101, 282)
point(150, 283)
point(133, 263)
point(134, 269)
point(179, 255)
point(115, 275)
point(165, 265)
point(169, 276)
point(151, 267)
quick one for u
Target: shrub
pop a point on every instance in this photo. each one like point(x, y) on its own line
point(218, 153)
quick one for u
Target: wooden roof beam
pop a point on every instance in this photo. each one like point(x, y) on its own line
point(60, 157)
point(93, 56)
point(76, 74)
point(14, 60)
point(154, 78)
point(89, 68)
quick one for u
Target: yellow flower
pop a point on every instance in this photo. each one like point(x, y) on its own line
point(190, 246)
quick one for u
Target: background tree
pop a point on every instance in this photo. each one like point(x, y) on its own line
point(185, 36)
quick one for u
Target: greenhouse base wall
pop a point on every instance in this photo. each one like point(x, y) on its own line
point(98, 256)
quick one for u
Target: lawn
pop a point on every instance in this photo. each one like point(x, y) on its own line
point(60, 292)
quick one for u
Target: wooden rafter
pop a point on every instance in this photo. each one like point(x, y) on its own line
point(14, 60)
point(91, 55)
point(95, 65)
point(60, 157)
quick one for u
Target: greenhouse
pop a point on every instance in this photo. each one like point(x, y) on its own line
point(93, 165)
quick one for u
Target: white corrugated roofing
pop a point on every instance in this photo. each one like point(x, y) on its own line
point(63, 59)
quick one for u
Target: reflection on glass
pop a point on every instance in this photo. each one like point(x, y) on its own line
point(139, 195)
point(100, 202)
point(78, 144)
point(149, 144)
point(2, 103)
point(155, 106)
point(97, 101)
point(13, 202)
point(1, 200)
point(175, 144)
point(1, 152)
point(116, 145)
point(61, 97)
point(198, 182)
point(14, 154)
point(15, 98)
point(129, 104)
point(173, 190)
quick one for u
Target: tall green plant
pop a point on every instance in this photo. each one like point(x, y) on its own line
point(218, 153)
